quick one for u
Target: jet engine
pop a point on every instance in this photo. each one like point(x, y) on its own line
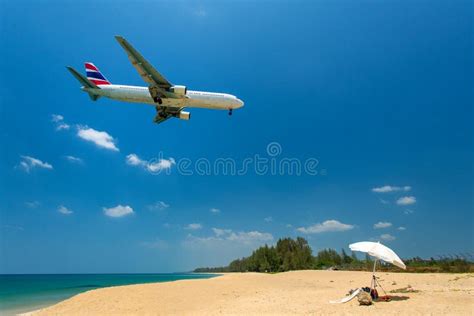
point(179, 90)
point(183, 115)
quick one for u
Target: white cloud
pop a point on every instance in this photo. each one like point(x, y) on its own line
point(406, 200)
point(158, 206)
point(134, 160)
point(32, 204)
point(408, 211)
point(99, 138)
point(153, 166)
point(156, 244)
point(28, 163)
point(193, 226)
point(214, 210)
point(64, 210)
point(227, 235)
point(221, 232)
point(387, 237)
point(160, 164)
point(118, 211)
point(327, 226)
point(402, 228)
point(289, 226)
point(249, 237)
point(268, 219)
point(59, 120)
point(74, 159)
point(63, 126)
point(390, 188)
point(56, 118)
point(380, 225)
point(384, 201)
point(223, 246)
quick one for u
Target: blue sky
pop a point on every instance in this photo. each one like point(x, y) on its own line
point(380, 93)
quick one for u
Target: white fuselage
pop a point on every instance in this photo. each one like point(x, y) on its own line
point(196, 99)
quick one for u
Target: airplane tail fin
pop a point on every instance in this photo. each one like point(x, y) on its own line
point(94, 75)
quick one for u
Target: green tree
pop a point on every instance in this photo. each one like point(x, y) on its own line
point(328, 258)
point(354, 257)
point(345, 258)
point(294, 254)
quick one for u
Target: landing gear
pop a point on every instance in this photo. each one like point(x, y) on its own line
point(160, 111)
point(230, 112)
point(158, 100)
point(161, 114)
point(155, 94)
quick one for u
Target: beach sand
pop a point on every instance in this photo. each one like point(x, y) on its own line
point(296, 292)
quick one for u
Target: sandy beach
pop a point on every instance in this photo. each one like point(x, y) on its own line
point(298, 292)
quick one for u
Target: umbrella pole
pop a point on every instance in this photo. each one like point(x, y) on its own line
point(373, 284)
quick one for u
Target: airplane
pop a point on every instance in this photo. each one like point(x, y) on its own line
point(169, 100)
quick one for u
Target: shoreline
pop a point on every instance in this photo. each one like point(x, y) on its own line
point(296, 292)
point(23, 295)
point(39, 310)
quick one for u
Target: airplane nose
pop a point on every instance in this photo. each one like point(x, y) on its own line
point(240, 103)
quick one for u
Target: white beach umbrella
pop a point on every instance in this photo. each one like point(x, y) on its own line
point(379, 251)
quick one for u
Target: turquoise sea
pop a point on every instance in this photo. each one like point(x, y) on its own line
point(21, 293)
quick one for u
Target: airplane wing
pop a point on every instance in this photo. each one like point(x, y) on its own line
point(144, 68)
point(159, 120)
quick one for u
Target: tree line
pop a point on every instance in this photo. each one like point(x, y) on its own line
point(296, 254)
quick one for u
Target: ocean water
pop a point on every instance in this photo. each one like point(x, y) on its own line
point(21, 293)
